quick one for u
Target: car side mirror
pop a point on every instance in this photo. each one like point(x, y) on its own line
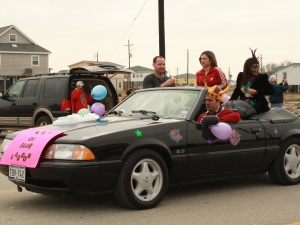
point(206, 122)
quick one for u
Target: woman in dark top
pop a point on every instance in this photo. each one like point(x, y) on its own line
point(251, 86)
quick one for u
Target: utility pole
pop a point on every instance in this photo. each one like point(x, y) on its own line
point(187, 68)
point(161, 23)
point(177, 76)
point(261, 63)
point(229, 74)
point(96, 57)
point(129, 56)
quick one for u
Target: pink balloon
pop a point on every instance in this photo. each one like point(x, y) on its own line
point(221, 130)
point(98, 108)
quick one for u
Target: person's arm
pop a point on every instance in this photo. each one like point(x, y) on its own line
point(265, 87)
point(148, 82)
point(88, 97)
point(230, 117)
point(236, 93)
point(168, 83)
point(200, 117)
point(221, 78)
point(283, 87)
point(76, 93)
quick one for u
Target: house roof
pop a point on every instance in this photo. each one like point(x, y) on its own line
point(282, 67)
point(139, 69)
point(191, 75)
point(22, 48)
point(98, 63)
point(3, 30)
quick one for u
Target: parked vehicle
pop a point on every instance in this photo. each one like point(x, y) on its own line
point(151, 140)
point(39, 100)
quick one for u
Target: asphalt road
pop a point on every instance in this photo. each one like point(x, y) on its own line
point(243, 201)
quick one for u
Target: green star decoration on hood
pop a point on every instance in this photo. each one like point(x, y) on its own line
point(191, 94)
point(138, 133)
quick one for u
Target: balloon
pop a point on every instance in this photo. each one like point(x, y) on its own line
point(221, 130)
point(83, 112)
point(98, 108)
point(99, 92)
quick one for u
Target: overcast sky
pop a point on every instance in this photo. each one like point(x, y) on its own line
point(77, 30)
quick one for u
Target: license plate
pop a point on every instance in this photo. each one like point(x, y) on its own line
point(17, 173)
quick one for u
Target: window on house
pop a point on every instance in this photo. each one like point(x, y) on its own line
point(284, 75)
point(12, 38)
point(119, 84)
point(133, 75)
point(141, 76)
point(35, 60)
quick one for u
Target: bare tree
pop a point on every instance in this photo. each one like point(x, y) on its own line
point(268, 68)
point(286, 63)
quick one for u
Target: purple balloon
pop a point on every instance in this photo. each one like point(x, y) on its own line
point(221, 130)
point(98, 108)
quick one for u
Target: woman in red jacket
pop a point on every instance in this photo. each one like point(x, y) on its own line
point(210, 75)
point(80, 99)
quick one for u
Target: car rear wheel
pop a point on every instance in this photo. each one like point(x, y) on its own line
point(43, 121)
point(286, 167)
point(143, 180)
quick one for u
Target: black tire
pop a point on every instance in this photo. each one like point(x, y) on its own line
point(43, 121)
point(286, 167)
point(143, 180)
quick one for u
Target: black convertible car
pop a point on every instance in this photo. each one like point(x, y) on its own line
point(148, 141)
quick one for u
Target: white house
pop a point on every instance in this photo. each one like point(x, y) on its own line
point(291, 73)
point(139, 75)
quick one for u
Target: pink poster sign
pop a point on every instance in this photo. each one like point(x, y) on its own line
point(27, 147)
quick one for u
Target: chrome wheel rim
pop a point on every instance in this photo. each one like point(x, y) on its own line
point(292, 161)
point(146, 180)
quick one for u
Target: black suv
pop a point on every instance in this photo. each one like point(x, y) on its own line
point(39, 100)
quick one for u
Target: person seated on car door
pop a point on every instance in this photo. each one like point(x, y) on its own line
point(80, 98)
point(213, 103)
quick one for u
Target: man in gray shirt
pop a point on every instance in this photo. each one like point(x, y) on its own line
point(158, 78)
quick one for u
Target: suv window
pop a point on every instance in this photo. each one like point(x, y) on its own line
point(55, 88)
point(15, 91)
point(30, 89)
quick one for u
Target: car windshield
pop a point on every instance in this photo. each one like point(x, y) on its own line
point(164, 103)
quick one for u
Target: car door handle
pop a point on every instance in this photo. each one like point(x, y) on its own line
point(256, 131)
point(34, 103)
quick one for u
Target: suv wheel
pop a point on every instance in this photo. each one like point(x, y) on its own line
point(43, 121)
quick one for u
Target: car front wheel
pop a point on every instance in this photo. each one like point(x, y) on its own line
point(286, 167)
point(143, 180)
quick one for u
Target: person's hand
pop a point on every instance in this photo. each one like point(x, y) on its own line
point(169, 83)
point(252, 91)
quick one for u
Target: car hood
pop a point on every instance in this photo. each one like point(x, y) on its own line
point(79, 132)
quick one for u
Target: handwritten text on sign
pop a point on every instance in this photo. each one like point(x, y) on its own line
point(27, 147)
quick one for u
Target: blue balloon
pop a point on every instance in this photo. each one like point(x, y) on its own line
point(99, 92)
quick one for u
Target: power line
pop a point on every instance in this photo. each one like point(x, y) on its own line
point(128, 29)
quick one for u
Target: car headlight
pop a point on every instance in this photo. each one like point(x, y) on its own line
point(4, 146)
point(68, 152)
